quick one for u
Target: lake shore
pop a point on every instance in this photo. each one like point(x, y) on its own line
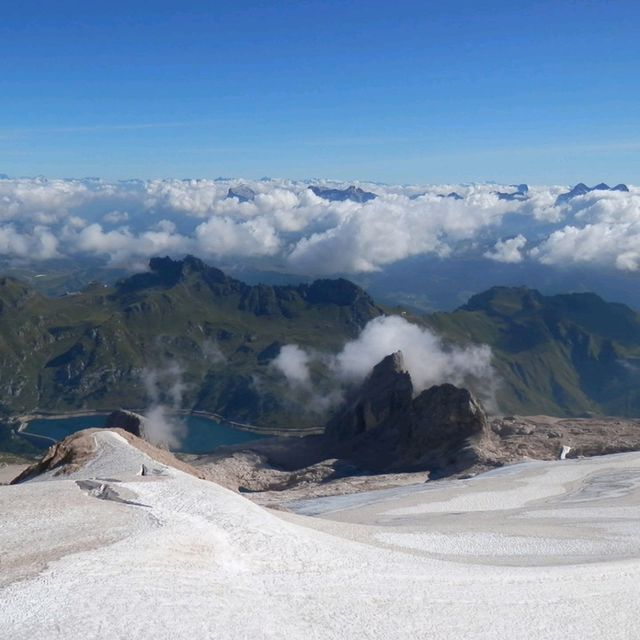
point(24, 420)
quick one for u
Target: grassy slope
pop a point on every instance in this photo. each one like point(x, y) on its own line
point(562, 355)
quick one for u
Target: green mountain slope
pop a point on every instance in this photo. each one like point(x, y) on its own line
point(95, 349)
point(562, 355)
point(210, 339)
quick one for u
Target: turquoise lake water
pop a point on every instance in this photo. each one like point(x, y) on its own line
point(202, 435)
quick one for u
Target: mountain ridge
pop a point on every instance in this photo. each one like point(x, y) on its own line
point(213, 338)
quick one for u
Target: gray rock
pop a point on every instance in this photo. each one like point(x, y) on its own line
point(387, 391)
point(442, 426)
point(384, 428)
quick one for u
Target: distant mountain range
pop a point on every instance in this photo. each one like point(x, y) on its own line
point(561, 355)
point(92, 349)
point(521, 193)
point(566, 355)
point(355, 194)
point(581, 189)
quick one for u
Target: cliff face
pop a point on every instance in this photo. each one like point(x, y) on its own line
point(388, 390)
point(445, 427)
point(383, 427)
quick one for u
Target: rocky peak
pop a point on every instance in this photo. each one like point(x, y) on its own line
point(338, 291)
point(582, 189)
point(505, 301)
point(242, 192)
point(387, 390)
point(382, 426)
point(166, 272)
point(443, 422)
point(353, 193)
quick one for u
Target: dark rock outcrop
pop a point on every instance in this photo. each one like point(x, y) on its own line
point(521, 193)
point(387, 391)
point(166, 273)
point(445, 428)
point(452, 196)
point(384, 428)
point(129, 421)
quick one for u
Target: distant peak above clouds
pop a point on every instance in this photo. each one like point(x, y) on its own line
point(581, 189)
point(320, 227)
point(355, 194)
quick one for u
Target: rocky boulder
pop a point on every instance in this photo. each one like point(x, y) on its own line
point(445, 427)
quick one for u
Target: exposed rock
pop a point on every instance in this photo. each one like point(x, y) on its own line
point(384, 428)
point(451, 195)
point(521, 193)
point(445, 428)
point(128, 420)
point(65, 456)
point(388, 390)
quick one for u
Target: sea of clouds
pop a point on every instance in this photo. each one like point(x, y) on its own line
point(288, 227)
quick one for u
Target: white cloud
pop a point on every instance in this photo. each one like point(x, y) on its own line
point(39, 244)
point(287, 224)
point(226, 237)
point(427, 358)
point(115, 217)
point(293, 363)
point(121, 245)
point(509, 251)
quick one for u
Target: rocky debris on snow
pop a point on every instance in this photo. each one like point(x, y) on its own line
point(383, 432)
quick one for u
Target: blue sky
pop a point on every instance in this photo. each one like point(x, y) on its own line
point(388, 91)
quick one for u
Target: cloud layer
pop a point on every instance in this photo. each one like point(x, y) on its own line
point(287, 226)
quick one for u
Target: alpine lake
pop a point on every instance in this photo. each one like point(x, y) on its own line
point(198, 434)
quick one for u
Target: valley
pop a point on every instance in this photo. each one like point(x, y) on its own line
point(188, 326)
